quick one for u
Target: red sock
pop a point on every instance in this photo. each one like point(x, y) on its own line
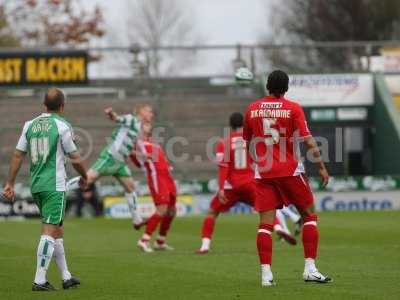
point(152, 223)
point(276, 221)
point(165, 225)
point(310, 236)
point(264, 243)
point(208, 227)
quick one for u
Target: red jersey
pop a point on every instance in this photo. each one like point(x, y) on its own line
point(233, 161)
point(273, 126)
point(157, 169)
point(158, 160)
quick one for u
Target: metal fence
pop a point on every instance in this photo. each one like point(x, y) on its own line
point(218, 60)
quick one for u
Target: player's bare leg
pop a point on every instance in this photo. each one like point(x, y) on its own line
point(264, 246)
point(151, 226)
point(131, 198)
point(207, 231)
point(160, 243)
point(310, 237)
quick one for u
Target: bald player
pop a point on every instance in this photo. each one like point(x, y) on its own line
point(48, 140)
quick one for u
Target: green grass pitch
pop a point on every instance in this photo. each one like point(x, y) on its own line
point(360, 250)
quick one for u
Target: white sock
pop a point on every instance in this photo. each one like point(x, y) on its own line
point(266, 272)
point(290, 214)
point(59, 256)
point(44, 253)
point(131, 199)
point(205, 244)
point(309, 265)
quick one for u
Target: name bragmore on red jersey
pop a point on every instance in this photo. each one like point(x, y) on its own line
point(272, 127)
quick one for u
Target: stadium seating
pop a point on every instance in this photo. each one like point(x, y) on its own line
point(194, 113)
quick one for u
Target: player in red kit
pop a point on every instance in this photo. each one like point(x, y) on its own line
point(272, 128)
point(235, 182)
point(151, 159)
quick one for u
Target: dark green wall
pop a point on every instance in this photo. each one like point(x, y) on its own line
point(386, 152)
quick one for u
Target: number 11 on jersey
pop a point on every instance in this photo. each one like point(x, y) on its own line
point(240, 153)
point(39, 147)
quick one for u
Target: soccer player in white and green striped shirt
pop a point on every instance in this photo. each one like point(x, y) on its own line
point(48, 139)
point(112, 160)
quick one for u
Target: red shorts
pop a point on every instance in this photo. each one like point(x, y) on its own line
point(162, 189)
point(274, 193)
point(245, 194)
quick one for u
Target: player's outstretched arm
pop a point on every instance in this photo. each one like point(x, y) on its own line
point(79, 166)
point(112, 115)
point(15, 165)
point(313, 149)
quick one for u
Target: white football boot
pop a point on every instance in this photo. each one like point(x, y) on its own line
point(267, 282)
point(205, 246)
point(162, 247)
point(267, 278)
point(315, 276)
point(144, 246)
point(202, 251)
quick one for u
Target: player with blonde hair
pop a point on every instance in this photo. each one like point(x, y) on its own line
point(113, 158)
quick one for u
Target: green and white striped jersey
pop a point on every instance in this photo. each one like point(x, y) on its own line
point(47, 139)
point(124, 137)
